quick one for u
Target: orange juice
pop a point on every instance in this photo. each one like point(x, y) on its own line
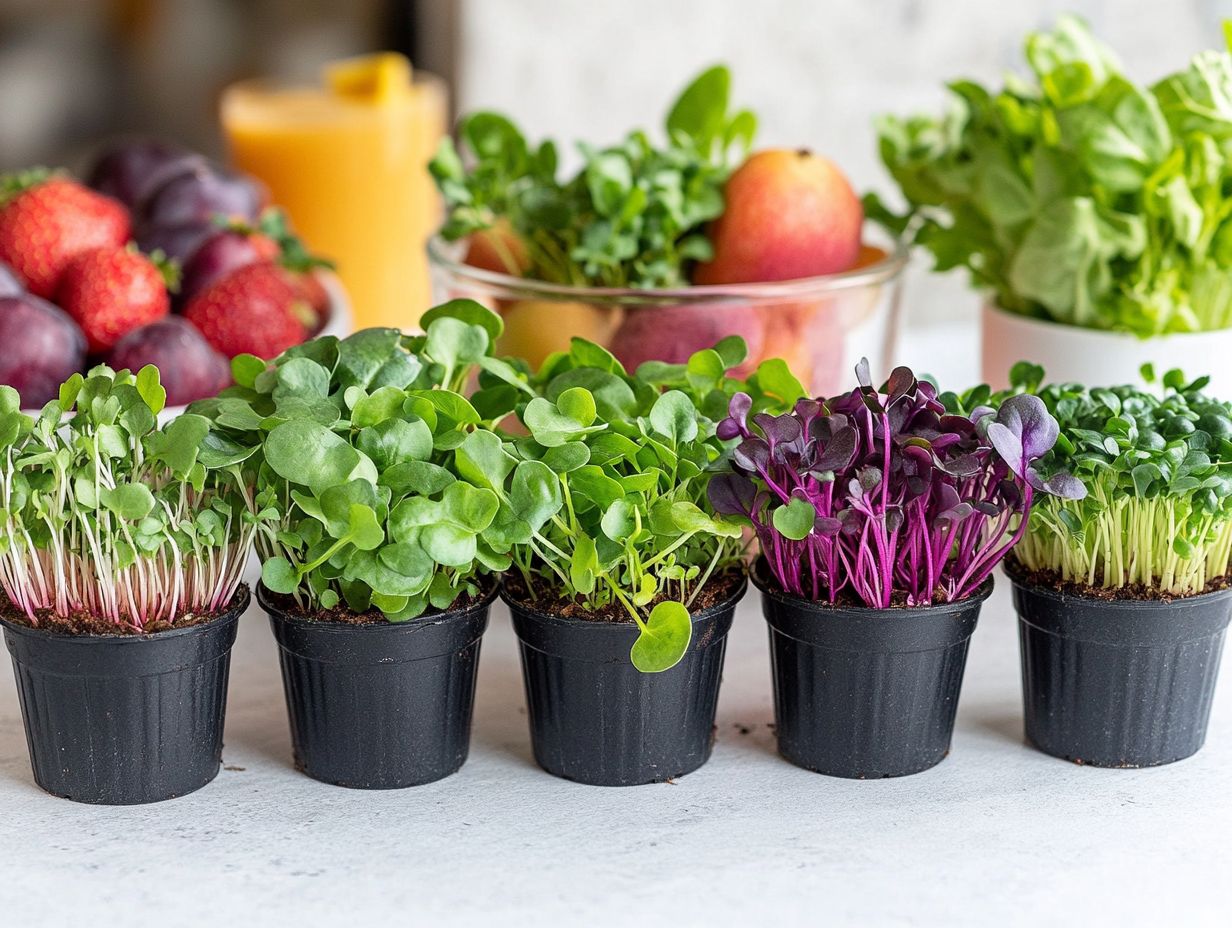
point(348, 162)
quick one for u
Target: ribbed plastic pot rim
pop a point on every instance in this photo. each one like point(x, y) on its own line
point(1098, 602)
point(572, 622)
point(263, 599)
point(239, 603)
point(765, 585)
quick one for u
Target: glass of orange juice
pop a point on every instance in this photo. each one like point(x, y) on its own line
point(347, 161)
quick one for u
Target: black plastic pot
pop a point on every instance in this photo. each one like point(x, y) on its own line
point(380, 705)
point(866, 693)
point(596, 719)
point(125, 719)
point(1118, 683)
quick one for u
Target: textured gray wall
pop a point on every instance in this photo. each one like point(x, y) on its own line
point(817, 71)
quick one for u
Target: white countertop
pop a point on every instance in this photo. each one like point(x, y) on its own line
point(997, 835)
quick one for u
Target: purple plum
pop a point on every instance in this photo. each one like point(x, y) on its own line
point(10, 283)
point(178, 242)
point(673, 333)
point(42, 348)
point(201, 194)
point(219, 255)
point(130, 170)
point(189, 366)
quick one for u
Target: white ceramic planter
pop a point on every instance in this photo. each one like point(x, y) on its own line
point(1097, 358)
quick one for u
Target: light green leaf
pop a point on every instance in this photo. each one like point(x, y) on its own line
point(279, 576)
point(795, 520)
point(664, 638)
point(150, 389)
point(130, 501)
point(675, 417)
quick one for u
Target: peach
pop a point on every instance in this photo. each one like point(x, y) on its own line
point(536, 328)
point(789, 214)
point(497, 249)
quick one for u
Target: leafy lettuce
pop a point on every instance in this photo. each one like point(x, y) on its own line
point(1076, 195)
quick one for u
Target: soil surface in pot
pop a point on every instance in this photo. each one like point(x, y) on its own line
point(718, 589)
point(847, 598)
point(85, 623)
point(340, 613)
point(1051, 580)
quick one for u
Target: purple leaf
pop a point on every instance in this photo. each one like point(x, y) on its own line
point(957, 514)
point(870, 477)
point(888, 489)
point(1008, 445)
point(738, 407)
point(863, 378)
point(966, 466)
point(1009, 492)
point(752, 454)
point(827, 526)
point(731, 494)
point(947, 497)
point(840, 451)
point(1029, 426)
point(778, 429)
point(1065, 486)
point(807, 409)
point(901, 382)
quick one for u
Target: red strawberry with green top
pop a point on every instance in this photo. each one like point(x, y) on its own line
point(110, 292)
point(47, 219)
point(256, 309)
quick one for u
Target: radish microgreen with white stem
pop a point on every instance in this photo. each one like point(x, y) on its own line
point(611, 482)
point(109, 515)
point(351, 448)
point(1159, 471)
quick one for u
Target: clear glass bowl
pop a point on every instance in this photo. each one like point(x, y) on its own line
point(821, 326)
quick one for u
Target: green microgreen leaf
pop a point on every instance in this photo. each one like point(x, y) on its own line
point(664, 638)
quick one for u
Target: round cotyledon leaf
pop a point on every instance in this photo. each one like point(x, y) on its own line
point(664, 639)
point(279, 576)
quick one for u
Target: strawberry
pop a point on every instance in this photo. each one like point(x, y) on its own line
point(46, 220)
point(256, 309)
point(111, 291)
point(301, 265)
point(312, 291)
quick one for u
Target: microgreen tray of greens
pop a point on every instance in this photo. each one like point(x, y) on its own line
point(1157, 518)
point(1075, 194)
point(353, 448)
point(886, 496)
point(111, 519)
point(612, 480)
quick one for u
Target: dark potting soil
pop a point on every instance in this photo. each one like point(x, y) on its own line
point(85, 623)
point(847, 599)
point(718, 589)
point(340, 613)
point(1051, 580)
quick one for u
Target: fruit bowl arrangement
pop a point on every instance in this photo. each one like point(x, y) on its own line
point(159, 257)
point(656, 251)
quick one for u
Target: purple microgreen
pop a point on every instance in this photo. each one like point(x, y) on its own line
point(887, 496)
